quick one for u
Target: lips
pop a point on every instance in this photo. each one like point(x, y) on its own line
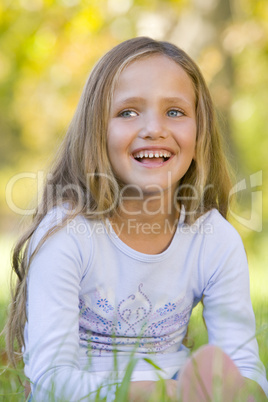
point(155, 156)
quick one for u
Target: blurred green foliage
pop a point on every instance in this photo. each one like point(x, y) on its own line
point(47, 48)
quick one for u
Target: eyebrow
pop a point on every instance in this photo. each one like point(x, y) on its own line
point(140, 100)
point(132, 99)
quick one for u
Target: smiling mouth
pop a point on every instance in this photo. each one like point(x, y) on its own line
point(146, 156)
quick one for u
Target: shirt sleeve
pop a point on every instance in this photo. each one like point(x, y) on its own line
point(228, 311)
point(54, 281)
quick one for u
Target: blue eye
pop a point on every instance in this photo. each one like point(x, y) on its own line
point(128, 113)
point(174, 113)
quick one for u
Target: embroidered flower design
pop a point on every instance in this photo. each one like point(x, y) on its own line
point(109, 308)
point(170, 307)
point(161, 311)
point(102, 303)
point(102, 324)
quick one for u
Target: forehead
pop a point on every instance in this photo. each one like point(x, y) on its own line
point(154, 73)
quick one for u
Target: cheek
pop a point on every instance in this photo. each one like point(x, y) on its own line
point(187, 136)
point(119, 139)
point(116, 147)
point(112, 139)
point(115, 133)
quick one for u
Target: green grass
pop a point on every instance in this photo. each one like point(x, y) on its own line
point(11, 388)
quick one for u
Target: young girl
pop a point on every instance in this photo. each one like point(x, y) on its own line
point(129, 237)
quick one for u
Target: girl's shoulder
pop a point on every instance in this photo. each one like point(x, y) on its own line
point(217, 225)
point(223, 252)
point(63, 219)
point(60, 236)
point(60, 226)
point(221, 238)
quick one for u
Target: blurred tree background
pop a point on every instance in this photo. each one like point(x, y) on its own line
point(47, 49)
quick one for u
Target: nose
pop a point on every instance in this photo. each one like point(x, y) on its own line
point(153, 127)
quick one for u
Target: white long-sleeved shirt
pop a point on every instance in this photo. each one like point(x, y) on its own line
point(89, 295)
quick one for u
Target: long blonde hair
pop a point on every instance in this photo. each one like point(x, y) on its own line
point(83, 171)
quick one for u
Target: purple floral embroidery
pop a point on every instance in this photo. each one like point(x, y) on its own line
point(104, 304)
point(134, 318)
point(170, 307)
point(161, 311)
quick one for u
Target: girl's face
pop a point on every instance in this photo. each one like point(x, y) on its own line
point(152, 126)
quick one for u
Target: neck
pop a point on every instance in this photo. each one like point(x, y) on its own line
point(154, 214)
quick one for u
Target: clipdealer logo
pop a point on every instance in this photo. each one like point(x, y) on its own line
point(254, 222)
point(252, 184)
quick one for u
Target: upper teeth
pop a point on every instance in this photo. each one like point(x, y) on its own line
point(152, 154)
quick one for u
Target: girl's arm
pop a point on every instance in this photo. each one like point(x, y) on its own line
point(52, 338)
point(228, 310)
